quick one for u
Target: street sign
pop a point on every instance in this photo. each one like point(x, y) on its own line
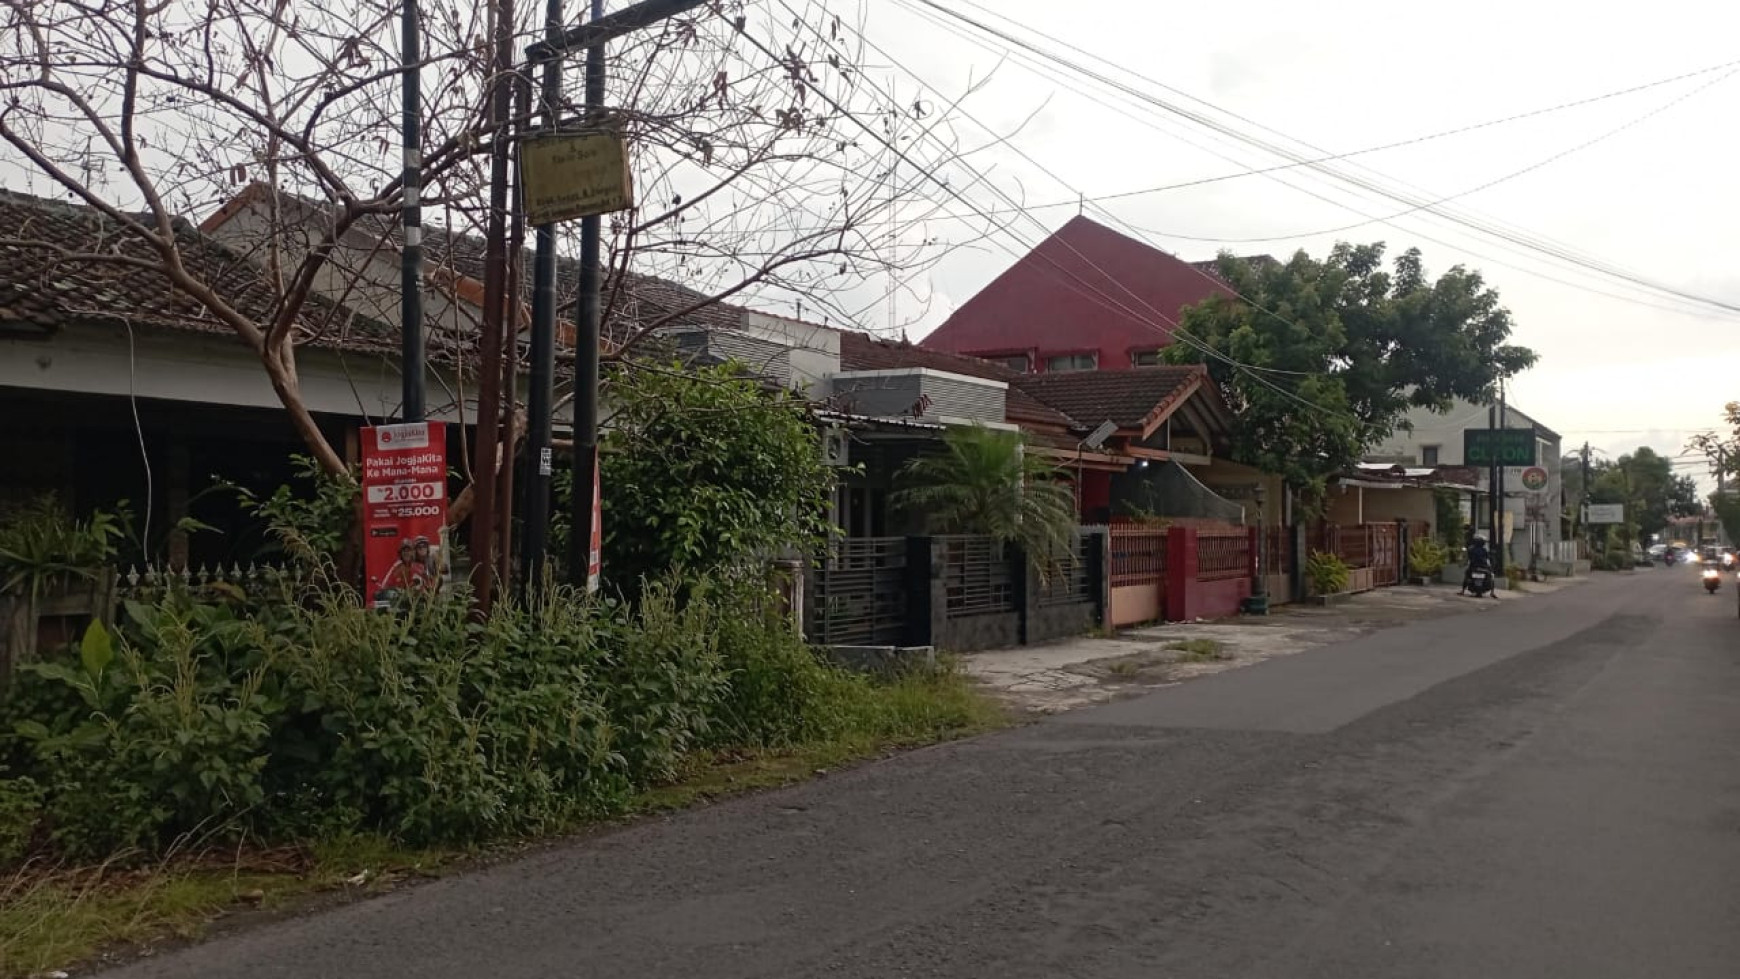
point(1499, 447)
point(1606, 513)
point(1534, 479)
point(574, 175)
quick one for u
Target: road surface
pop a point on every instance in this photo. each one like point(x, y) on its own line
point(1549, 789)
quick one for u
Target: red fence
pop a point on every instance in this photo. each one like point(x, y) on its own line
point(1223, 553)
point(1138, 554)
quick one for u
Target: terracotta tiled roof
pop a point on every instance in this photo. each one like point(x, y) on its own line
point(643, 300)
point(48, 279)
point(862, 352)
point(1127, 397)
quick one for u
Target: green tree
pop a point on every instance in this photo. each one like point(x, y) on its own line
point(1332, 353)
point(986, 482)
point(1722, 448)
point(1644, 481)
point(703, 471)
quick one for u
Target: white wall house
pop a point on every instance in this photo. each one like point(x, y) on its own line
point(1429, 438)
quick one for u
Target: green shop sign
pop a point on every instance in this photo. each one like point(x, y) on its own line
point(1498, 447)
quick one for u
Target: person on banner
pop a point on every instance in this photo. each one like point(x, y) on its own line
point(431, 560)
point(408, 574)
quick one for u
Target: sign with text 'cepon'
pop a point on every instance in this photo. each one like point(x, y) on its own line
point(574, 175)
point(1499, 447)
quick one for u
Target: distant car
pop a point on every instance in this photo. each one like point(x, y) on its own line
point(1657, 551)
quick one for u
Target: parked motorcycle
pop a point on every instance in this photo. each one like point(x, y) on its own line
point(1712, 579)
point(1480, 582)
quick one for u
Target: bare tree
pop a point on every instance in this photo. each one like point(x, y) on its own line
point(754, 136)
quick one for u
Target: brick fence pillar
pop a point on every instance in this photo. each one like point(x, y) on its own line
point(1181, 564)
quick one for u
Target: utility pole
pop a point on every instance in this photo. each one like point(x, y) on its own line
point(486, 516)
point(1583, 507)
point(1495, 501)
point(549, 54)
point(411, 354)
point(1498, 480)
point(585, 461)
point(540, 398)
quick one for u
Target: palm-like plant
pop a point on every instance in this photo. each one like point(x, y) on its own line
point(986, 482)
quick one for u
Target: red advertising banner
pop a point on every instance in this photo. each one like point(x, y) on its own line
point(404, 485)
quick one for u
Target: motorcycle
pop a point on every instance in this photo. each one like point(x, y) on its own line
point(1480, 582)
point(1712, 580)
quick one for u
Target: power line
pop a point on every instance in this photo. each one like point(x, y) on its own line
point(1369, 150)
point(1018, 56)
point(1522, 239)
point(1096, 294)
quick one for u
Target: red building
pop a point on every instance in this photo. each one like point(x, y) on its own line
point(1085, 298)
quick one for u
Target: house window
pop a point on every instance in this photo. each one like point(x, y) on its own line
point(1017, 363)
point(1428, 455)
point(1145, 358)
point(1072, 362)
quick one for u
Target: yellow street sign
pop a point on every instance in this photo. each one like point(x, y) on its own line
point(574, 175)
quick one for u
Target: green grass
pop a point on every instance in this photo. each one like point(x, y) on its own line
point(1199, 651)
point(52, 917)
point(55, 917)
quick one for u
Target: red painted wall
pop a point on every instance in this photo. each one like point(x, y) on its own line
point(1186, 597)
point(1085, 288)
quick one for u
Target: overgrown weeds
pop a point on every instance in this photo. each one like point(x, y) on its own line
point(1199, 651)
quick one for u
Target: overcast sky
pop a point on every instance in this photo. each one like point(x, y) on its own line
point(1659, 199)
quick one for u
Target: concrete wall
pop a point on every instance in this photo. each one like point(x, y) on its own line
point(218, 370)
point(1353, 505)
point(941, 395)
point(815, 350)
point(1135, 604)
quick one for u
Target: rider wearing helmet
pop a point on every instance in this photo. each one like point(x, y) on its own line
point(1478, 557)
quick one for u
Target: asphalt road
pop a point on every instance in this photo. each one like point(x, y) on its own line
point(1549, 789)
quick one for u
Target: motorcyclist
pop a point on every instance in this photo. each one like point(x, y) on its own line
point(1479, 558)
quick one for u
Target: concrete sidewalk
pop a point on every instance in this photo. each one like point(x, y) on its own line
point(1091, 670)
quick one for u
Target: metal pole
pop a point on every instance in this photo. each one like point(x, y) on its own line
point(1495, 501)
point(484, 519)
point(1583, 508)
point(586, 349)
point(1498, 474)
point(510, 373)
point(540, 397)
point(411, 353)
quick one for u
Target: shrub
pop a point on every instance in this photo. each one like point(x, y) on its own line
point(1326, 573)
point(1513, 576)
point(20, 814)
point(310, 720)
point(1426, 557)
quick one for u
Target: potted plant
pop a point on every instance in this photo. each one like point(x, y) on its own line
point(1327, 575)
point(1425, 560)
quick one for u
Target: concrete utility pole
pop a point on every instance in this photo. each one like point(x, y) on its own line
point(411, 355)
point(491, 512)
point(1583, 506)
point(587, 337)
point(1494, 487)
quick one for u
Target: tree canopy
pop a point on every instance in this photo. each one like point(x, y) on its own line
point(1644, 481)
point(1722, 447)
point(1331, 353)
